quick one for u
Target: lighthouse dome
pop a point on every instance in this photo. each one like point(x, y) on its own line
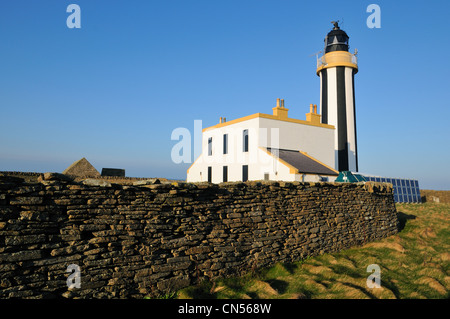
point(336, 39)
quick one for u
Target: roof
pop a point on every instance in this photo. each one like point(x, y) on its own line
point(349, 177)
point(303, 162)
point(81, 168)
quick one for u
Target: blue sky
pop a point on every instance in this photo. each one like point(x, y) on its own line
point(115, 89)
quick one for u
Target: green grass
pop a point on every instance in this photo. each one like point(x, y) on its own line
point(414, 264)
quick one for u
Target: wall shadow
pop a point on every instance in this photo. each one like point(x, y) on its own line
point(402, 219)
point(278, 285)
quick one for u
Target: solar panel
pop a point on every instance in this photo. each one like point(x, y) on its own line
point(404, 190)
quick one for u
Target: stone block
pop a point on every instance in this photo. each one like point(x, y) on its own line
point(34, 216)
point(24, 240)
point(21, 256)
point(55, 177)
point(174, 283)
point(96, 182)
point(150, 181)
point(26, 200)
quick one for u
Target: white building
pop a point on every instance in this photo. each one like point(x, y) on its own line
point(276, 147)
point(266, 147)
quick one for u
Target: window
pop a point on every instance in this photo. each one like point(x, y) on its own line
point(225, 173)
point(209, 174)
point(245, 140)
point(244, 173)
point(266, 176)
point(209, 146)
point(225, 143)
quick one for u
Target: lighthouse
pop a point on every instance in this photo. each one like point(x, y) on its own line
point(337, 68)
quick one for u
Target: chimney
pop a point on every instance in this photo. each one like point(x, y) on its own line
point(280, 111)
point(312, 116)
point(220, 121)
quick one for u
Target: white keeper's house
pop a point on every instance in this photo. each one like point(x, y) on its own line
point(276, 147)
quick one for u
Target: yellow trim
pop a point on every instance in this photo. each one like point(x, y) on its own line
point(245, 118)
point(267, 116)
point(331, 65)
point(307, 155)
point(337, 58)
point(292, 169)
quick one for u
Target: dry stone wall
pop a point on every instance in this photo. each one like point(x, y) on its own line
point(135, 241)
point(433, 196)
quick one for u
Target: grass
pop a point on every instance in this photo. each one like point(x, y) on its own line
point(414, 264)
